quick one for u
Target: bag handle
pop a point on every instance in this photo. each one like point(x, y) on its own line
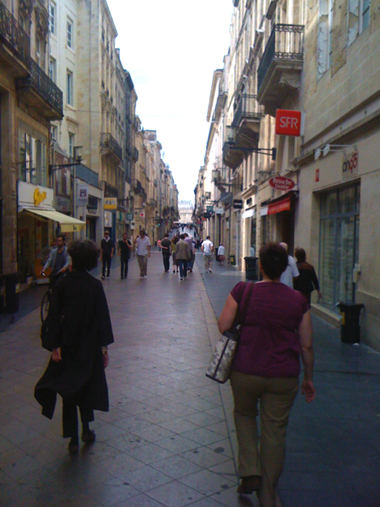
point(241, 314)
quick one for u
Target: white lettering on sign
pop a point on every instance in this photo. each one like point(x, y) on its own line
point(287, 122)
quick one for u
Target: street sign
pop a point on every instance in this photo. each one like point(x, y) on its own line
point(142, 214)
point(288, 122)
point(238, 204)
point(129, 216)
point(110, 203)
point(210, 209)
point(281, 183)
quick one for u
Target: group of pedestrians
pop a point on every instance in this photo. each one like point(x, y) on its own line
point(182, 251)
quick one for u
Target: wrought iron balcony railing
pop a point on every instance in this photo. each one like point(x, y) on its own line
point(286, 42)
point(107, 141)
point(44, 86)
point(13, 35)
point(247, 109)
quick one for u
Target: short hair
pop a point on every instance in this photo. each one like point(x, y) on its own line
point(62, 236)
point(182, 236)
point(166, 235)
point(142, 231)
point(84, 255)
point(207, 237)
point(273, 260)
point(300, 254)
point(106, 232)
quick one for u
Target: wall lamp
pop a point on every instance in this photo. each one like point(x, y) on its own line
point(327, 148)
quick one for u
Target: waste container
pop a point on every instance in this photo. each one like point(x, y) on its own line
point(232, 260)
point(11, 283)
point(350, 328)
point(251, 268)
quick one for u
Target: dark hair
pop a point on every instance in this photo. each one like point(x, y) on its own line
point(175, 240)
point(207, 237)
point(182, 236)
point(166, 235)
point(273, 260)
point(84, 255)
point(300, 254)
point(61, 236)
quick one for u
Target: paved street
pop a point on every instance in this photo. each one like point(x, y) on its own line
point(169, 439)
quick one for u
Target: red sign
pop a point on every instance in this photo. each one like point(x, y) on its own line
point(288, 123)
point(281, 183)
point(277, 207)
point(317, 175)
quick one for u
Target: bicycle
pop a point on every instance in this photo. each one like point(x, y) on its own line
point(44, 308)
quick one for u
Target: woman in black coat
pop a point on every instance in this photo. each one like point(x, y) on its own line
point(307, 280)
point(79, 331)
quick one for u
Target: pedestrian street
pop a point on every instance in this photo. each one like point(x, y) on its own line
point(168, 439)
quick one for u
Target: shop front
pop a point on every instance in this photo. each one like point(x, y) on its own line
point(277, 219)
point(38, 223)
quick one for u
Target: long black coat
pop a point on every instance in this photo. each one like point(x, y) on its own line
point(79, 323)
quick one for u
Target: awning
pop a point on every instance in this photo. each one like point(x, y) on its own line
point(249, 213)
point(279, 206)
point(68, 224)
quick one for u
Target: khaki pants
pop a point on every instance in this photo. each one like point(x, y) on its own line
point(143, 264)
point(276, 396)
point(208, 260)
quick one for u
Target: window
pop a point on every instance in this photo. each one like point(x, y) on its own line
point(54, 132)
point(358, 18)
point(32, 159)
point(325, 25)
point(70, 34)
point(71, 144)
point(70, 88)
point(52, 15)
point(53, 69)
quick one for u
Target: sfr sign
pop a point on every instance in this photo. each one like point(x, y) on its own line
point(288, 122)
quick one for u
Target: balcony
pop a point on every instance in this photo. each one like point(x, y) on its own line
point(40, 93)
point(280, 67)
point(246, 122)
point(14, 44)
point(109, 145)
point(135, 154)
point(137, 187)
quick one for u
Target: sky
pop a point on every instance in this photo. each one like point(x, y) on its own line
point(171, 49)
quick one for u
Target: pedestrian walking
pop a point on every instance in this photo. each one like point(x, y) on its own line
point(173, 249)
point(307, 280)
point(276, 329)
point(107, 249)
point(59, 260)
point(183, 256)
point(79, 332)
point(207, 249)
point(125, 247)
point(291, 271)
point(164, 244)
point(143, 252)
point(221, 253)
point(190, 241)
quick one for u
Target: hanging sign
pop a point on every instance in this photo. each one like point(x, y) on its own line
point(288, 122)
point(110, 203)
point(238, 204)
point(281, 183)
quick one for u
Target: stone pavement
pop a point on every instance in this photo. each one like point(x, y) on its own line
point(168, 439)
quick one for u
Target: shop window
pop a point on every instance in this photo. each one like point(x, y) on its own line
point(339, 245)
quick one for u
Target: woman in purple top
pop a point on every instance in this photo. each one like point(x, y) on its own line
point(276, 331)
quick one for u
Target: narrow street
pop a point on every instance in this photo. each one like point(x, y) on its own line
point(169, 438)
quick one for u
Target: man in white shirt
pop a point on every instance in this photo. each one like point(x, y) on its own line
point(207, 249)
point(143, 252)
point(291, 271)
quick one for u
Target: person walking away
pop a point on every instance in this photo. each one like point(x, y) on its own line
point(183, 256)
point(59, 260)
point(79, 332)
point(275, 332)
point(190, 241)
point(107, 250)
point(164, 244)
point(291, 272)
point(143, 252)
point(221, 253)
point(173, 249)
point(307, 280)
point(125, 247)
point(207, 249)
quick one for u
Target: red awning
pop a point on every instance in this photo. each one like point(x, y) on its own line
point(279, 206)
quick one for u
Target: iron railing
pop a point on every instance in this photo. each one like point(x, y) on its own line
point(13, 35)
point(109, 142)
point(247, 108)
point(43, 85)
point(286, 42)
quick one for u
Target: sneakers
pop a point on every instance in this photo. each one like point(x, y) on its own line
point(181, 279)
point(102, 277)
point(209, 271)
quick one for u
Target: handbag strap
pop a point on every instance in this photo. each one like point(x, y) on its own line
point(242, 312)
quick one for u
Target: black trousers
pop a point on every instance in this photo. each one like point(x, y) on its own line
point(166, 259)
point(106, 263)
point(70, 418)
point(124, 266)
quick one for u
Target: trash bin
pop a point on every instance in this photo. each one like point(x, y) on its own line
point(251, 268)
point(232, 260)
point(11, 292)
point(350, 328)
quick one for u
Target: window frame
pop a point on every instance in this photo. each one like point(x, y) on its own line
point(70, 33)
point(69, 88)
point(52, 18)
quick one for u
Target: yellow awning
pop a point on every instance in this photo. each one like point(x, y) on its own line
point(68, 224)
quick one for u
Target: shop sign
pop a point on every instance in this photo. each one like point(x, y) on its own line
point(278, 207)
point(82, 195)
point(210, 209)
point(281, 183)
point(350, 164)
point(238, 204)
point(288, 122)
point(142, 214)
point(34, 196)
point(129, 216)
point(110, 203)
point(219, 211)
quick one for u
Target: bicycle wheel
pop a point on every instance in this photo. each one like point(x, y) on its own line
point(45, 306)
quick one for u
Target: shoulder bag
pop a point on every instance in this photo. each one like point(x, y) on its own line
point(225, 349)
